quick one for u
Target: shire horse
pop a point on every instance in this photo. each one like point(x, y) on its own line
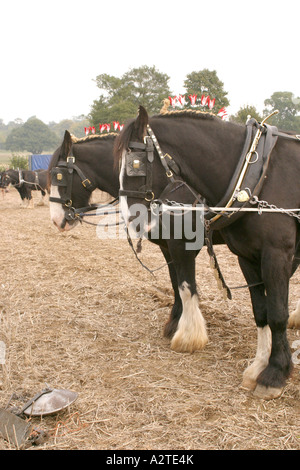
point(205, 153)
point(26, 181)
point(94, 161)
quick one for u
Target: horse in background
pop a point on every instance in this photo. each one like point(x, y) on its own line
point(26, 181)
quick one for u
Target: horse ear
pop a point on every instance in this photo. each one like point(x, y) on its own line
point(66, 145)
point(141, 122)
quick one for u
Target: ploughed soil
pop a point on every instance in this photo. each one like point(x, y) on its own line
point(80, 313)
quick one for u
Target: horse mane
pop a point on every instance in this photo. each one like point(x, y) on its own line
point(192, 113)
point(122, 141)
point(93, 137)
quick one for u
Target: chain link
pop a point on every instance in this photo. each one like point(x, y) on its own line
point(265, 205)
point(254, 200)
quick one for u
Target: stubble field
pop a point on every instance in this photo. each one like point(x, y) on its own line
point(80, 313)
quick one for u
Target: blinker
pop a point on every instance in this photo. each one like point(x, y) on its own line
point(136, 163)
point(59, 176)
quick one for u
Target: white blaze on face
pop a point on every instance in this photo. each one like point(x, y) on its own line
point(123, 199)
point(140, 226)
point(57, 212)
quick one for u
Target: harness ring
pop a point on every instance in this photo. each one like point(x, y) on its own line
point(151, 193)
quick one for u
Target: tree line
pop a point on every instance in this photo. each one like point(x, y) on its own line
point(120, 98)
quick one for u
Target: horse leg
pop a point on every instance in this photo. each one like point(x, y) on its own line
point(191, 331)
point(42, 197)
point(172, 323)
point(30, 200)
point(294, 318)
point(252, 275)
point(276, 271)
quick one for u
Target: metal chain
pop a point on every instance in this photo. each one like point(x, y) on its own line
point(262, 205)
point(265, 205)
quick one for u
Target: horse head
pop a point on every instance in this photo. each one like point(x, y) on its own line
point(141, 175)
point(4, 180)
point(69, 187)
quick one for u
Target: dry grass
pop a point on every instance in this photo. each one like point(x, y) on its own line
point(80, 313)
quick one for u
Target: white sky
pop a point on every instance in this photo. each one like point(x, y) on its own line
point(52, 51)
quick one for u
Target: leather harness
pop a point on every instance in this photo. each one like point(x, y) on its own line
point(246, 182)
point(62, 175)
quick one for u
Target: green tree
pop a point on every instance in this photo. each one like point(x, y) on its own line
point(34, 136)
point(288, 106)
point(18, 162)
point(242, 115)
point(122, 96)
point(75, 126)
point(207, 82)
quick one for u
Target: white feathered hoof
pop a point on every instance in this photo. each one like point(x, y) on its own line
point(191, 333)
point(294, 318)
point(267, 393)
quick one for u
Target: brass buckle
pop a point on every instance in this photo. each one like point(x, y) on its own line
point(85, 182)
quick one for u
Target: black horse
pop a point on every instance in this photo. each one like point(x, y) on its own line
point(94, 161)
point(71, 186)
point(26, 181)
point(204, 152)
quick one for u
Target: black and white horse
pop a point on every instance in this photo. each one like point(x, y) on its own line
point(26, 181)
point(94, 161)
point(93, 158)
point(205, 153)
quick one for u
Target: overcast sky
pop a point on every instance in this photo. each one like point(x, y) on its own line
point(52, 51)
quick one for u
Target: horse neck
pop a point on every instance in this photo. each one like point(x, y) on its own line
point(98, 159)
point(207, 151)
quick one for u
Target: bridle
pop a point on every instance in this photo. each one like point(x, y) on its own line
point(139, 159)
point(62, 176)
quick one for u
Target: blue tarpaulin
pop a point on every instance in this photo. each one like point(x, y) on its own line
point(39, 162)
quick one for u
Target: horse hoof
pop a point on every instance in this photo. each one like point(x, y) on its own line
point(294, 321)
point(182, 345)
point(267, 393)
point(294, 318)
point(248, 384)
